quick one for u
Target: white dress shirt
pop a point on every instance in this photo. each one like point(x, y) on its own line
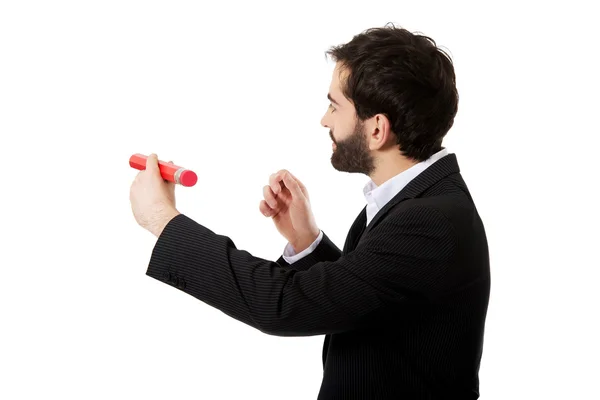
point(376, 196)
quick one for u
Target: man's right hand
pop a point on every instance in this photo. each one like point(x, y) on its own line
point(287, 202)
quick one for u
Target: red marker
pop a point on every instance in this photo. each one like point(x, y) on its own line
point(169, 172)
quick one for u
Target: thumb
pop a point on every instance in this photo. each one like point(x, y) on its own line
point(293, 186)
point(152, 163)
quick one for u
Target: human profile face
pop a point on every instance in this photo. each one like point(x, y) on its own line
point(350, 148)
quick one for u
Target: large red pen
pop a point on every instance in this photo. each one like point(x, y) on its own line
point(170, 172)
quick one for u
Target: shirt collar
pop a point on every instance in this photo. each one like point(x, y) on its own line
point(380, 195)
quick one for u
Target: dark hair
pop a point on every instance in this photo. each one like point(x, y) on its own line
point(406, 77)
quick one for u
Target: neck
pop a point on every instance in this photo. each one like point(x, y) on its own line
point(388, 167)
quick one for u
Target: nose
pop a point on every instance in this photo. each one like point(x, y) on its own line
point(323, 121)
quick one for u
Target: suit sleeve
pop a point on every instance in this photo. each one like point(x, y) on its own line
point(400, 259)
point(291, 256)
point(326, 250)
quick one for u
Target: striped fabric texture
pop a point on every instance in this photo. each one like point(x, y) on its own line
point(402, 306)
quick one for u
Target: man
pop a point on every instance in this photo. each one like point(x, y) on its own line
point(403, 305)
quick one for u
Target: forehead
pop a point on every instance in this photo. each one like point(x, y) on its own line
point(337, 77)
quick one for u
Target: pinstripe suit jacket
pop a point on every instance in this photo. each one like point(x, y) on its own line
point(402, 306)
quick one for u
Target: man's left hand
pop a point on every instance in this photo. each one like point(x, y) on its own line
point(152, 198)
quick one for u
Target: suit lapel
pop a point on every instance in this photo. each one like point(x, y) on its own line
point(435, 172)
point(356, 230)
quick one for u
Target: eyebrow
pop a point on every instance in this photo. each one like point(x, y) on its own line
point(332, 100)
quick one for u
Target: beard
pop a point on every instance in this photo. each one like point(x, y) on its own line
point(352, 154)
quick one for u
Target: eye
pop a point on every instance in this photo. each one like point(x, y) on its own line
point(331, 106)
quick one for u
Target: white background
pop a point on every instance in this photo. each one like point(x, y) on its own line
point(235, 91)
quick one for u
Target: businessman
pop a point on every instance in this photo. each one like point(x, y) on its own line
point(403, 305)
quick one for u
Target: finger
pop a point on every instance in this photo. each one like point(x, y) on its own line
point(152, 163)
point(274, 182)
point(293, 186)
point(265, 209)
point(283, 196)
point(279, 177)
point(270, 197)
point(302, 187)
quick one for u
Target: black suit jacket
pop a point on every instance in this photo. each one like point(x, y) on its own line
point(403, 306)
